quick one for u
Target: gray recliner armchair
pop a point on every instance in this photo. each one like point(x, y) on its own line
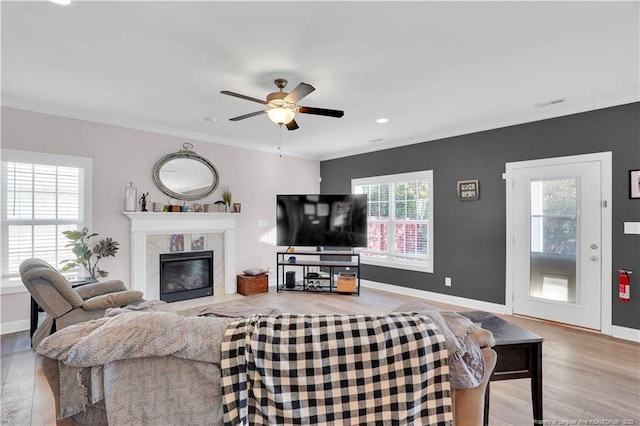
point(65, 305)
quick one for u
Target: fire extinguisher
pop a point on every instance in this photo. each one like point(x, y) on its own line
point(624, 290)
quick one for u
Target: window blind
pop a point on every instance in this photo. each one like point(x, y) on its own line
point(40, 201)
point(399, 220)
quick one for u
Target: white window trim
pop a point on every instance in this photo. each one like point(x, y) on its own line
point(14, 285)
point(402, 177)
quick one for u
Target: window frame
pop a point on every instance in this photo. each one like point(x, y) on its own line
point(389, 262)
point(10, 283)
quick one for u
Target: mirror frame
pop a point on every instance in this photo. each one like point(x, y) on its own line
point(191, 155)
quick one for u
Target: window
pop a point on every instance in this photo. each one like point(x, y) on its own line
point(554, 216)
point(42, 196)
point(400, 220)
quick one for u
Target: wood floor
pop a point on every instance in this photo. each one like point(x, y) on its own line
point(588, 378)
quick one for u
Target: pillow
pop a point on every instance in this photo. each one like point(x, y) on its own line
point(255, 271)
point(484, 337)
point(455, 347)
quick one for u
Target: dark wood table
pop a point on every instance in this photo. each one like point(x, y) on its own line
point(519, 357)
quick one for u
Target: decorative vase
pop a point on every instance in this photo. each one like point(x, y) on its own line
point(130, 198)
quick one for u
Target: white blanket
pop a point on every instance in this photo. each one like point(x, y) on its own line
point(85, 350)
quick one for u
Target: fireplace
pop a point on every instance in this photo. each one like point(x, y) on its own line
point(147, 230)
point(186, 275)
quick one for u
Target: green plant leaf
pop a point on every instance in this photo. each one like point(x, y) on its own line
point(69, 266)
point(106, 248)
point(79, 243)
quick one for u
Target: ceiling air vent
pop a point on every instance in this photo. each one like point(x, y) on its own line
point(553, 102)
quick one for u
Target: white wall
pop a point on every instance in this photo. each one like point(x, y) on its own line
point(122, 155)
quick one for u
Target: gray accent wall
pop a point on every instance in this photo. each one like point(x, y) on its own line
point(469, 236)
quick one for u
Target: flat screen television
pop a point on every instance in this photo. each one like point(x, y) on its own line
point(322, 220)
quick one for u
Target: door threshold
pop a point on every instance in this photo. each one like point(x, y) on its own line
point(561, 324)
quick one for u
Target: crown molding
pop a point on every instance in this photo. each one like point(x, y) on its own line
point(25, 105)
point(545, 113)
point(553, 111)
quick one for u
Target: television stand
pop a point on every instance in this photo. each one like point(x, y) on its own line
point(318, 271)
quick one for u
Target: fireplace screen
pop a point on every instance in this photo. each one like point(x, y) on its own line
point(186, 275)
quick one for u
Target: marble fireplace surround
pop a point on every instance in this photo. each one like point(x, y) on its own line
point(148, 228)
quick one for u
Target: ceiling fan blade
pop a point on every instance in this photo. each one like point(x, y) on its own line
point(292, 125)
point(301, 90)
point(242, 117)
point(321, 111)
point(238, 95)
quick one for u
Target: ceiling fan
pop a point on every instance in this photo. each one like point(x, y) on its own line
point(283, 105)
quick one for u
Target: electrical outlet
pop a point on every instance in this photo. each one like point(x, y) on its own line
point(447, 281)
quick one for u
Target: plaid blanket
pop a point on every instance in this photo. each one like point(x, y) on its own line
point(335, 369)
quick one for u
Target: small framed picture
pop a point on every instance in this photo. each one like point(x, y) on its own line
point(634, 184)
point(236, 207)
point(177, 243)
point(468, 190)
point(198, 242)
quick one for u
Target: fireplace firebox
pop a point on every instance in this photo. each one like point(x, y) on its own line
point(186, 275)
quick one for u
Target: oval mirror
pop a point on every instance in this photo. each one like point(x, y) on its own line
point(185, 175)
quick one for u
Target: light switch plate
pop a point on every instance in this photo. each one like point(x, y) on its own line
point(632, 227)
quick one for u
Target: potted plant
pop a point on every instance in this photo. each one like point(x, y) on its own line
point(79, 240)
point(226, 197)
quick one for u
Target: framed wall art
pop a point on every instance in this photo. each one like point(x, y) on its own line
point(468, 190)
point(198, 241)
point(176, 243)
point(634, 184)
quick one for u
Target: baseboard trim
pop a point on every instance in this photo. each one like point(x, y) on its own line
point(625, 333)
point(437, 297)
point(15, 326)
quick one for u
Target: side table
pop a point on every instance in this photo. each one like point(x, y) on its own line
point(519, 357)
point(253, 284)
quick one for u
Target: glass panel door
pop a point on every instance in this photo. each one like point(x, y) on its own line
point(555, 260)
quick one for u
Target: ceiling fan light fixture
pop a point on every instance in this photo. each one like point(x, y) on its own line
point(281, 115)
point(282, 106)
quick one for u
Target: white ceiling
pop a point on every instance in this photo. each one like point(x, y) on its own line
point(434, 69)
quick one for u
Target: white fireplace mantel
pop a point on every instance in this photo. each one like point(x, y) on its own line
point(150, 223)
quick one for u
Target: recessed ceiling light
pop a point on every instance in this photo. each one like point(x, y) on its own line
point(211, 119)
point(61, 2)
point(382, 120)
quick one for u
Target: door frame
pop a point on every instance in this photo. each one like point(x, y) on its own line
point(605, 159)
